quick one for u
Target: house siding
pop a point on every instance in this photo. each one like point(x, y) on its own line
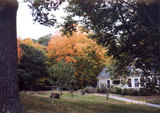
point(135, 80)
point(103, 81)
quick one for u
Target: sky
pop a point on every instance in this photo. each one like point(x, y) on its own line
point(26, 28)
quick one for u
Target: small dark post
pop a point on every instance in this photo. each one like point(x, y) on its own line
point(107, 93)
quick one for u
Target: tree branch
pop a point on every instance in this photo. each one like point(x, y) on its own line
point(149, 17)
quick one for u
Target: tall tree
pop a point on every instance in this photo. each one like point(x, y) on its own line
point(62, 75)
point(44, 39)
point(32, 67)
point(29, 42)
point(9, 96)
point(128, 28)
point(88, 57)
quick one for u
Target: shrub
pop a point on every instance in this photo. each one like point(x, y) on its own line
point(124, 92)
point(98, 90)
point(132, 92)
point(158, 90)
point(112, 89)
point(89, 89)
point(144, 92)
point(118, 90)
point(102, 89)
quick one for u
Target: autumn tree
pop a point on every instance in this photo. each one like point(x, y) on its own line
point(19, 51)
point(9, 101)
point(88, 58)
point(30, 42)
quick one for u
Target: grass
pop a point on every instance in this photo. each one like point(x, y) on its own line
point(41, 103)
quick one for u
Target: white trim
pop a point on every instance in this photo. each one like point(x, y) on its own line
point(103, 81)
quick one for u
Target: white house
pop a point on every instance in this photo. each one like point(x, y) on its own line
point(133, 81)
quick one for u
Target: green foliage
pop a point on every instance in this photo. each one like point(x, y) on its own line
point(89, 68)
point(89, 89)
point(61, 75)
point(151, 84)
point(69, 26)
point(42, 10)
point(158, 90)
point(31, 68)
point(124, 92)
point(118, 90)
point(129, 29)
point(102, 89)
point(44, 40)
point(133, 92)
point(144, 92)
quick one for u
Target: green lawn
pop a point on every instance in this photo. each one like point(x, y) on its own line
point(41, 103)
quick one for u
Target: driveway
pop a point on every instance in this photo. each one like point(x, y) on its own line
point(128, 101)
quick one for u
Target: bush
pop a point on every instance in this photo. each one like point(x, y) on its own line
point(89, 89)
point(158, 90)
point(101, 89)
point(144, 92)
point(132, 92)
point(118, 90)
point(124, 92)
point(112, 89)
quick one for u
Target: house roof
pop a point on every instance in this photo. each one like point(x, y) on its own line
point(104, 73)
point(107, 73)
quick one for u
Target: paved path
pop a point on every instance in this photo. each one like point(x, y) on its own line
point(129, 101)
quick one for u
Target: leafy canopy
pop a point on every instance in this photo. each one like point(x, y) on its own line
point(32, 66)
point(87, 57)
point(61, 75)
point(129, 29)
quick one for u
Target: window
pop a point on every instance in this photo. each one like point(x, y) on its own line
point(116, 82)
point(108, 83)
point(129, 83)
point(136, 83)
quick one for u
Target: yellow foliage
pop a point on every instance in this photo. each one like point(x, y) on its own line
point(71, 47)
point(19, 51)
point(28, 41)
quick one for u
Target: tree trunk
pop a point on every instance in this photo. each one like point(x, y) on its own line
point(159, 32)
point(9, 96)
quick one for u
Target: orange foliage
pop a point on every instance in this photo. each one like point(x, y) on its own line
point(77, 45)
point(29, 42)
point(88, 57)
point(19, 52)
